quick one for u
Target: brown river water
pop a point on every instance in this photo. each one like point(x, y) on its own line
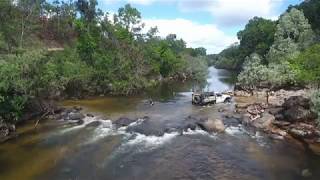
point(60, 150)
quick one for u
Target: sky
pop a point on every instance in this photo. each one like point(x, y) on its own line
point(212, 24)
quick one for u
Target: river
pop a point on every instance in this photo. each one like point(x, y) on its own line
point(98, 150)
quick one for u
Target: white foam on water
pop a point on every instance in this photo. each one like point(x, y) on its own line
point(144, 143)
point(138, 122)
point(86, 121)
point(107, 128)
point(260, 139)
point(234, 130)
point(199, 132)
point(151, 141)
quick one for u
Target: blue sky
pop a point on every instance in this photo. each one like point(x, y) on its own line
point(212, 24)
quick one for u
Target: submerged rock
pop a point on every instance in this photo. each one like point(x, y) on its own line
point(191, 126)
point(121, 122)
point(94, 124)
point(90, 115)
point(76, 116)
point(148, 128)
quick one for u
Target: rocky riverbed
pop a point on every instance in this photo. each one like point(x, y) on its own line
point(288, 114)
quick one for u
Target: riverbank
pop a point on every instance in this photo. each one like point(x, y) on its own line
point(287, 115)
point(38, 109)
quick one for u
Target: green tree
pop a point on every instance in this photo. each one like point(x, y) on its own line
point(258, 36)
point(311, 10)
point(307, 65)
point(130, 19)
point(293, 34)
point(200, 51)
point(230, 58)
point(177, 45)
point(87, 9)
point(9, 25)
point(254, 74)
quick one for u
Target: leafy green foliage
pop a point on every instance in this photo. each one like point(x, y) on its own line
point(229, 58)
point(293, 35)
point(307, 64)
point(281, 75)
point(311, 10)
point(254, 73)
point(53, 49)
point(257, 37)
point(129, 18)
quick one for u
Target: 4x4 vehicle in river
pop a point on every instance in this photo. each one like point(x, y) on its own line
point(210, 98)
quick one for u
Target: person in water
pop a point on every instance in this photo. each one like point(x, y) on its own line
point(151, 102)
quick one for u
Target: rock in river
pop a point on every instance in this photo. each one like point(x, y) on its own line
point(76, 116)
point(264, 122)
point(212, 125)
point(123, 122)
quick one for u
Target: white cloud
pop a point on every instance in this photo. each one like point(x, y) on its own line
point(196, 35)
point(142, 2)
point(225, 12)
point(233, 12)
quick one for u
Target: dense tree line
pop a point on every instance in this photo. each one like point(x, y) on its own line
point(53, 49)
point(283, 52)
point(278, 54)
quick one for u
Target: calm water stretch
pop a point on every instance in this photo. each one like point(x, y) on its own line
point(98, 150)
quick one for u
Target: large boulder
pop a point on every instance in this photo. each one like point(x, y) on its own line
point(297, 101)
point(149, 128)
point(211, 125)
point(297, 114)
point(264, 122)
point(297, 109)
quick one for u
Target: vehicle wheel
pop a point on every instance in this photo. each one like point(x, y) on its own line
point(227, 100)
point(197, 100)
